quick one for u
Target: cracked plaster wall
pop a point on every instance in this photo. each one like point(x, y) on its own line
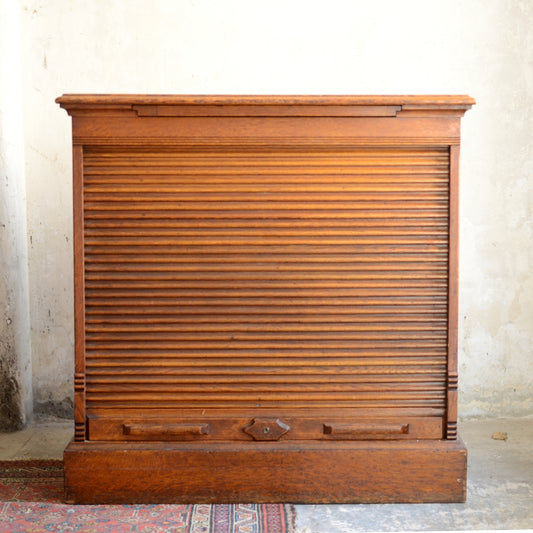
point(477, 47)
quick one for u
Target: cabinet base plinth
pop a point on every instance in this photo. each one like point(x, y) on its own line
point(311, 472)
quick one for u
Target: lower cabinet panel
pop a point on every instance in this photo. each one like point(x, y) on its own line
point(298, 472)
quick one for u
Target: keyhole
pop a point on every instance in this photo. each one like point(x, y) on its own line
point(266, 430)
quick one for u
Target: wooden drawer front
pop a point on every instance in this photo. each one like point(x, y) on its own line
point(239, 429)
point(252, 279)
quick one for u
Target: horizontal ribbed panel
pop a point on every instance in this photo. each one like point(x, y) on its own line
point(259, 279)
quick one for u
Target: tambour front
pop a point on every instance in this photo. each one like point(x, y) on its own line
point(265, 299)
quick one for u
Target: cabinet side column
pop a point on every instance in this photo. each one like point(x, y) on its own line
point(453, 297)
point(79, 297)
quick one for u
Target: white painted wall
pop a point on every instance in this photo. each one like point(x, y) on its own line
point(483, 48)
point(16, 403)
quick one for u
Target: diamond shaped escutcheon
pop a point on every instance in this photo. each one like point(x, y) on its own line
point(266, 429)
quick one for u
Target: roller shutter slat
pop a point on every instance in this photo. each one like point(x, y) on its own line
point(280, 279)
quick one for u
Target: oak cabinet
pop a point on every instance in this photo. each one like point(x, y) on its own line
point(265, 299)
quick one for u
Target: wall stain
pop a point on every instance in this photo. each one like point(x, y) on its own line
point(10, 405)
point(60, 409)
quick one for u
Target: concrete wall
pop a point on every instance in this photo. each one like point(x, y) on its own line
point(479, 47)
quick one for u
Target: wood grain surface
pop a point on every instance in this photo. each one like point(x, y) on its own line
point(347, 472)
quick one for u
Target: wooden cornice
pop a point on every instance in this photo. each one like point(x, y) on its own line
point(261, 105)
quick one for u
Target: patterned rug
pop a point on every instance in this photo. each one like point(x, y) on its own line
point(31, 495)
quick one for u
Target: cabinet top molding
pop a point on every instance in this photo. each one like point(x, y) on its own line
point(273, 105)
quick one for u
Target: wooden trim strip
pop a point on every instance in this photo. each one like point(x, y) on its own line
point(267, 143)
point(69, 100)
point(453, 296)
point(258, 110)
point(79, 296)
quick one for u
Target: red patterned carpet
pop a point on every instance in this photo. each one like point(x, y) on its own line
point(31, 501)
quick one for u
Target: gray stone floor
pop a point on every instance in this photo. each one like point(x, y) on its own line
point(45, 439)
point(500, 491)
point(500, 483)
